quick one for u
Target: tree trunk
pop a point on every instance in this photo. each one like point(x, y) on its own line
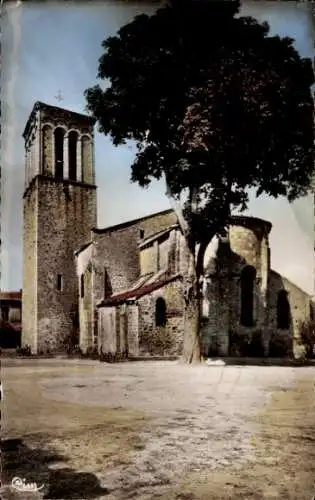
point(192, 296)
point(191, 347)
point(192, 291)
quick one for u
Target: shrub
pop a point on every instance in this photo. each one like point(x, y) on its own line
point(256, 347)
point(24, 351)
point(307, 334)
point(109, 357)
point(239, 345)
point(213, 351)
point(280, 346)
point(74, 350)
point(92, 352)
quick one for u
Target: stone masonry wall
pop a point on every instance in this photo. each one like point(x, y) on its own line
point(86, 311)
point(47, 150)
point(164, 249)
point(133, 329)
point(107, 329)
point(29, 294)
point(66, 214)
point(246, 246)
point(223, 288)
point(84, 268)
point(157, 255)
point(149, 259)
point(299, 302)
point(166, 340)
point(117, 252)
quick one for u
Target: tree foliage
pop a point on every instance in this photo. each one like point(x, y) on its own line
point(216, 106)
point(214, 103)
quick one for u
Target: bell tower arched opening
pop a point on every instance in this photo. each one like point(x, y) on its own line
point(73, 160)
point(59, 135)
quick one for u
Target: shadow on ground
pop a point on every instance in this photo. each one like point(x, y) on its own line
point(233, 361)
point(36, 465)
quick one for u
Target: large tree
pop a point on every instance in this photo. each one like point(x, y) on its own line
point(216, 106)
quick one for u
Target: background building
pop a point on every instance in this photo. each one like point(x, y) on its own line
point(10, 319)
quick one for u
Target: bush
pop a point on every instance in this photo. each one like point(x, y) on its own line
point(246, 345)
point(280, 346)
point(109, 357)
point(307, 333)
point(92, 352)
point(256, 347)
point(74, 350)
point(239, 345)
point(24, 351)
point(213, 351)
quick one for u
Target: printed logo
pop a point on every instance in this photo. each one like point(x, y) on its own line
point(21, 485)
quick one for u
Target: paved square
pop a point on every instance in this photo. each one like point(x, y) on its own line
point(152, 429)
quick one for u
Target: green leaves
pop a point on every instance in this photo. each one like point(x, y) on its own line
point(227, 107)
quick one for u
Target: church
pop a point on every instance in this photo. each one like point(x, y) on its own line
point(119, 290)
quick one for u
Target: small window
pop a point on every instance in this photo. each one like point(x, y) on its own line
point(82, 286)
point(141, 232)
point(160, 312)
point(59, 282)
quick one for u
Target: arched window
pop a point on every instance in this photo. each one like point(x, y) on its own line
point(160, 312)
point(283, 310)
point(59, 137)
point(73, 139)
point(248, 276)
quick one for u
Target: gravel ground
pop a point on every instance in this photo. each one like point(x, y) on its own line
point(201, 416)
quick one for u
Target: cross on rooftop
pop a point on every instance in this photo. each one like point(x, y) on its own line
point(59, 96)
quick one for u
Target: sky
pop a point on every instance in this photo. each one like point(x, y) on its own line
point(51, 47)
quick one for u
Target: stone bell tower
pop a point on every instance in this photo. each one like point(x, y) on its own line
point(59, 213)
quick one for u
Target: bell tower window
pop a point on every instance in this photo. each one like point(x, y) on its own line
point(59, 158)
point(73, 139)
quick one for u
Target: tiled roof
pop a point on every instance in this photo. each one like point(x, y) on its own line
point(11, 295)
point(139, 292)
